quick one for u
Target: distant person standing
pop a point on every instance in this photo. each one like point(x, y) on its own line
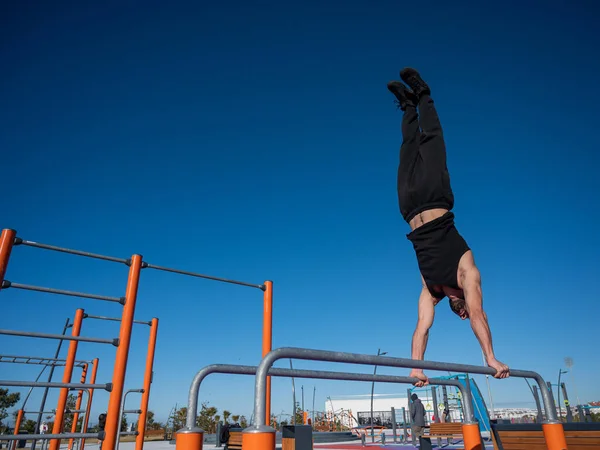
point(417, 416)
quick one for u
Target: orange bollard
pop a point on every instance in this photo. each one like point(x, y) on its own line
point(139, 439)
point(57, 428)
point(7, 239)
point(471, 436)
point(88, 409)
point(261, 438)
point(113, 426)
point(189, 439)
point(554, 434)
point(17, 426)
point(268, 339)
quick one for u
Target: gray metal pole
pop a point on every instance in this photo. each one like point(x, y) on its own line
point(567, 404)
point(394, 424)
point(50, 375)
point(581, 415)
point(435, 411)
point(313, 408)
point(404, 438)
point(355, 358)
point(293, 397)
point(30, 437)
point(540, 415)
point(446, 404)
point(551, 397)
point(372, 392)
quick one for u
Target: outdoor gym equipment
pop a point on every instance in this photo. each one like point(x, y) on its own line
point(191, 437)
point(262, 437)
point(8, 240)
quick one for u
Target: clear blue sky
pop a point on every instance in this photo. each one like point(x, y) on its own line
point(259, 141)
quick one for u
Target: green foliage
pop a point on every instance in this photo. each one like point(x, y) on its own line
point(29, 426)
point(7, 401)
point(178, 418)
point(124, 422)
point(207, 418)
point(71, 405)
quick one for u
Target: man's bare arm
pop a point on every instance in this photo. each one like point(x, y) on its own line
point(421, 334)
point(471, 281)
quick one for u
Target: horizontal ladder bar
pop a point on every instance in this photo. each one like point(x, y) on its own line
point(113, 319)
point(114, 342)
point(19, 241)
point(27, 287)
point(199, 275)
point(74, 386)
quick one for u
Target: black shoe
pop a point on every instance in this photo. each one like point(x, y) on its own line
point(413, 79)
point(404, 95)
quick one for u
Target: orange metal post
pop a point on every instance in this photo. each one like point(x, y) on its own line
point(64, 392)
point(471, 436)
point(7, 239)
point(88, 409)
point(17, 426)
point(78, 405)
point(114, 403)
point(190, 439)
point(258, 440)
point(268, 339)
point(139, 440)
point(554, 433)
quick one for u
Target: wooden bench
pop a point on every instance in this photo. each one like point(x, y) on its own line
point(450, 430)
point(235, 440)
point(530, 436)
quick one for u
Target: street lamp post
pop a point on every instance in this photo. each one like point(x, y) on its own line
point(560, 372)
point(379, 353)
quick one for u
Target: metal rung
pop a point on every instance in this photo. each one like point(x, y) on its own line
point(74, 386)
point(30, 437)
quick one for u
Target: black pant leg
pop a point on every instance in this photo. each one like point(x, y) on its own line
point(409, 156)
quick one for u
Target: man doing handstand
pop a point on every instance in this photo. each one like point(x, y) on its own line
point(426, 199)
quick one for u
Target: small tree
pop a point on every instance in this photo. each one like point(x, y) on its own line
point(207, 418)
point(235, 418)
point(124, 422)
point(226, 415)
point(178, 418)
point(7, 401)
point(150, 419)
point(29, 426)
point(243, 422)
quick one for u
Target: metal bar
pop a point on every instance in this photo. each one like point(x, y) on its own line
point(148, 376)
point(9, 284)
point(120, 368)
point(192, 410)
point(7, 238)
point(122, 412)
point(74, 386)
point(39, 361)
point(567, 404)
point(356, 358)
point(199, 275)
point(113, 319)
point(19, 241)
point(128, 433)
point(39, 412)
point(540, 415)
point(114, 342)
point(132, 411)
point(45, 437)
